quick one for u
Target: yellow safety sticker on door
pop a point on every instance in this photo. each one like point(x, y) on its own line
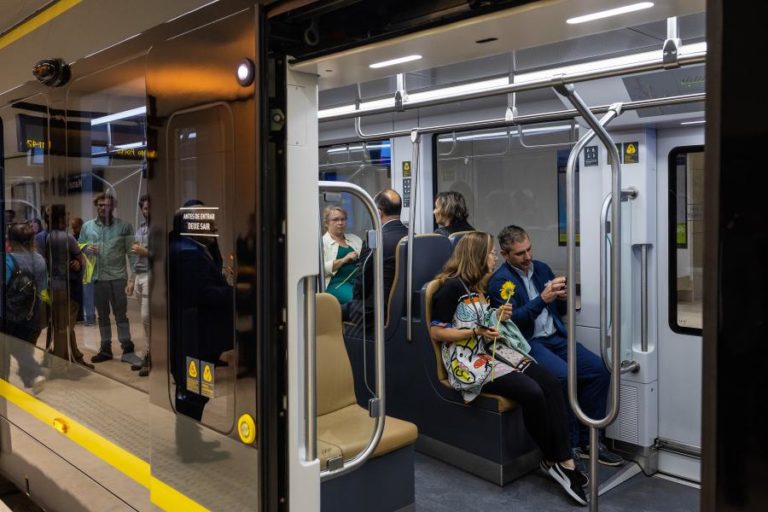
point(208, 382)
point(193, 375)
point(631, 152)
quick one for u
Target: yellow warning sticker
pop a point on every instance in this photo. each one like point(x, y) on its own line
point(193, 375)
point(208, 382)
point(631, 153)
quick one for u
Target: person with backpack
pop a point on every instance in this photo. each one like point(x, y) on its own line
point(26, 284)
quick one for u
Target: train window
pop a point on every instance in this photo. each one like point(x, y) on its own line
point(97, 192)
point(505, 182)
point(201, 261)
point(366, 164)
point(686, 233)
point(25, 150)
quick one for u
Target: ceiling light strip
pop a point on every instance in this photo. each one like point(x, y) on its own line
point(393, 62)
point(618, 11)
point(643, 62)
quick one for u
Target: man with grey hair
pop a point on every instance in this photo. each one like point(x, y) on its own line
point(538, 303)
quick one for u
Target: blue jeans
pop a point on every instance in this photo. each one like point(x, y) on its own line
point(89, 309)
point(592, 377)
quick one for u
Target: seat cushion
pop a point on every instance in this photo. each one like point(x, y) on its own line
point(350, 428)
point(503, 404)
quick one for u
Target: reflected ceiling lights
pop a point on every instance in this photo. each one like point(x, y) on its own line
point(610, 12)
point(138, 111)
point(700, 121)
point(392, 62)
point(246, 71)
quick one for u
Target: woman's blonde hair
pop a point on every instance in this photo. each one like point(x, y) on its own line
point(327, 213)
point(469, 261)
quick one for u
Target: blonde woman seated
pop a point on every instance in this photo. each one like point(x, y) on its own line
point(468, 329)
point(340, 253)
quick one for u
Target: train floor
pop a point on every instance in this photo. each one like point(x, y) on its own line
point(442, 488)
point(13, 500)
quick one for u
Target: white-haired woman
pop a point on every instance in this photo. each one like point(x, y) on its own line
point(340, 253)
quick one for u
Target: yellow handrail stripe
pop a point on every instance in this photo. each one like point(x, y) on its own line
point(37, 21)
point(161, 494)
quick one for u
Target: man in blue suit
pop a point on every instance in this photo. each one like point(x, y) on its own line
point(538, 303)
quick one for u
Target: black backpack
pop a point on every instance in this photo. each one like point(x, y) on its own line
point(21, 294)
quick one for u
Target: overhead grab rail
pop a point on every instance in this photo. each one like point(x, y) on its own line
point(402, 104)
point(626, 366)
point(597, 128)
point(376, 405)
point(546, 117)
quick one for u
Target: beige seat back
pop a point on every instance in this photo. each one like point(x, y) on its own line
point(430, 292)
point(335, 384)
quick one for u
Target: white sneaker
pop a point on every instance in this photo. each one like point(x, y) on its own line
point(569, 480)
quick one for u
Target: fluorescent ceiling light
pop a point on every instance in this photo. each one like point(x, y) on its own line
point(610, 12)
point(344, 149)
point(700, 121)
point(132, 145)
point(458, 90)
point(415, 98)
point(119, 115)
point(600, 65)
point(392, 62)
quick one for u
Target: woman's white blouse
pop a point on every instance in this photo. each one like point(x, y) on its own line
point(331, 248)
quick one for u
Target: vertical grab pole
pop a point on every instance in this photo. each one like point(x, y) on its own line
point(416, 141)
point(310, 367)
point(597, 128)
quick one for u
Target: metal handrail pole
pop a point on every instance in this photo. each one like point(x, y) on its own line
point(378, 404)
point(416, 143)
point(644, 298)
point(626, 366)
point(545, 117)
point(598, 129)
point(604, 282)
point(310, 368)
point(693, 58)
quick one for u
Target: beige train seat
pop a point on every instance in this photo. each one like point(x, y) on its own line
point(343, 427)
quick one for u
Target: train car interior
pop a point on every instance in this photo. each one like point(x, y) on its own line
point(170, 199)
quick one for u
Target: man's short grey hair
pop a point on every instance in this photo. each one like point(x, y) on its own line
point(510, 235)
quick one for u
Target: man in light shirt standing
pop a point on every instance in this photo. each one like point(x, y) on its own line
point(109, 241)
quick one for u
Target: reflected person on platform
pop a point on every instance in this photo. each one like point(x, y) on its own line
point(201, 318)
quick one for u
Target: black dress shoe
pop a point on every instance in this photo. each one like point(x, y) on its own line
point(101, 357)
point(82, 362)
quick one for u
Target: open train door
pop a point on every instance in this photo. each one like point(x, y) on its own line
point(216, 294)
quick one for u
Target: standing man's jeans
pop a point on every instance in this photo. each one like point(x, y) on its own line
point(106, 294)
point(89, 309)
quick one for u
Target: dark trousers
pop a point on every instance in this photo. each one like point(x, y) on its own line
point(592, 377)
point(108, 294)
point(543, 408)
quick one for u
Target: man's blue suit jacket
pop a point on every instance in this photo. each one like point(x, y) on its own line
point(524, 310)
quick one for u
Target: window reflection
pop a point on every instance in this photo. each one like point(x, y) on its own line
point(686, 210)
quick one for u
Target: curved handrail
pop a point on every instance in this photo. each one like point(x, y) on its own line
point(626, 366)
point(376, 405)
